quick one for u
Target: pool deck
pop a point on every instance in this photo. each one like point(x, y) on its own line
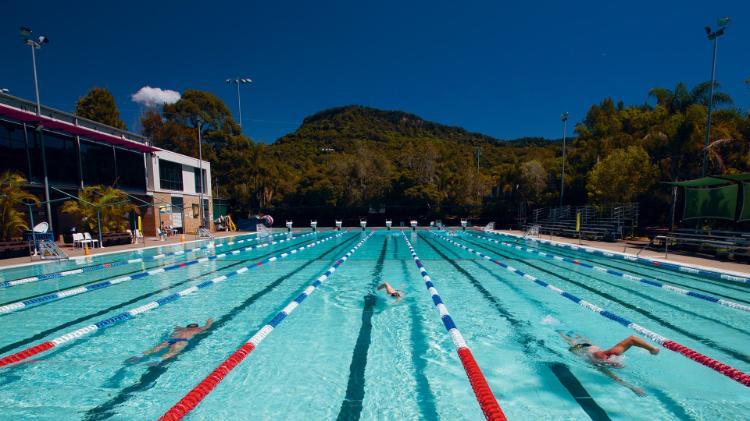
point(150, 242)
point(627, 246)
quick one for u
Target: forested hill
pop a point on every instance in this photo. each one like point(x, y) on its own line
point(353, 158)
point(354, 122)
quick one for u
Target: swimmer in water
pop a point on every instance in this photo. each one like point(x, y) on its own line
point(603, 360)
point(179, 338)
point(398, 295)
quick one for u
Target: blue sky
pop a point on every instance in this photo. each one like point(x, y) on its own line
point(507, 69)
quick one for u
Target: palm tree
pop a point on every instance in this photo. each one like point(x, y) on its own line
point(111, 203)
point(680, 99)
point(12, 201)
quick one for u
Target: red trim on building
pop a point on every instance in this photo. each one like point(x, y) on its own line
point(72, 129)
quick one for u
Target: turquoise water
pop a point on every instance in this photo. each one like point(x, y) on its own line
point(348, 353)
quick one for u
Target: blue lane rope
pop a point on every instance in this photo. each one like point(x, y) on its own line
point(643, 260)
point(70, 292)
point(644, 281)
point(117, 263)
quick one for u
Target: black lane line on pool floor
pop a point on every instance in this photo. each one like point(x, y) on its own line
point(705, 341)
point(628, 265)
point(57, 328)
point(351, 407)
point(532, 344)
point(152, 373)
point(425, 397)
point(628, 269)
point(629, 287)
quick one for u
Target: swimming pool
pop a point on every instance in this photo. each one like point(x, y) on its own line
point(346, 352)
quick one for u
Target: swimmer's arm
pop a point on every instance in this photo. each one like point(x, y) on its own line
point(637, 390)
point(208, 324)
point(567, 338)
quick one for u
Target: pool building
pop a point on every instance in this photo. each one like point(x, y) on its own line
point(60, 153)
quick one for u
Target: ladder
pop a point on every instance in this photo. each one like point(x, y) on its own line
point(49, 250)
point(205, 233)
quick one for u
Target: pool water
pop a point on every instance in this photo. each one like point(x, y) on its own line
point(349, 353)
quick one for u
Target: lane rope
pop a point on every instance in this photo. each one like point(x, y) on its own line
point(117, 263)
point(648, 262)
point(482, 391)
point(205, 386)
point(130, 314)
point(671, 345)
point(71, 292)
point(629, 277)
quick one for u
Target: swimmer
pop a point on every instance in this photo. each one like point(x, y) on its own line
point(179, 338)
point(612, 357)
point(398, 295)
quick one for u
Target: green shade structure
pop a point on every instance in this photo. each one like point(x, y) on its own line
point(711, 202)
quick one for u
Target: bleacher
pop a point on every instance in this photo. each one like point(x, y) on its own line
point(719, 243)
point(607, 223)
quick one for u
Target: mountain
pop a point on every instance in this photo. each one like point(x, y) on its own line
point(365, 123)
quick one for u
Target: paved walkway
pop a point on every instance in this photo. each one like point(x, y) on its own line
point(149, 242)
point(624, 246)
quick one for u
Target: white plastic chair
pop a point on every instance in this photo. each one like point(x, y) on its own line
point(77, 239)
point(87, 238)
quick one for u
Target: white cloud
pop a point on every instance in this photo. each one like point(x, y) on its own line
point(150, 97)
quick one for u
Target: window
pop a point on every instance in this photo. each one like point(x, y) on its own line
point(170, 175)
point(177, 212)
point(131, 171)
point(62, 160)
point(97, 163)
point(196, 173)
point(13, 149)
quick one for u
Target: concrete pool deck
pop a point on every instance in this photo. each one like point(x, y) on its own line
point(627, 246)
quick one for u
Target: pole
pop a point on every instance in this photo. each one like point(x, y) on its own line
point(36, 82)
point(239, 103)
point(99, 223)
point(562, 174)
point(200, 171)
point(710, 106)
point(33, 233)
point(41, 136)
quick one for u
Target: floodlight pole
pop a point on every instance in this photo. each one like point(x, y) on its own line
point(239, 81)
point(200, 175)
point(712, 36)
point(564, 118)
point(26, 33)
point(239, 105)
point(710, 106)
point(34, 45)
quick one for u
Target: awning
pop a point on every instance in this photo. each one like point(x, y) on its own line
point(700, 182)
point(73, 129)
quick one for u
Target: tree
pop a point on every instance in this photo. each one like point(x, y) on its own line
point(621, 176)
point(534, 180)
point(12, 205)
point(113, 206)
point(99, 105)
point(679, 99)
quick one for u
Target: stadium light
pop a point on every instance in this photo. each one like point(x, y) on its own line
point(712, 36)
point(239, 81)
